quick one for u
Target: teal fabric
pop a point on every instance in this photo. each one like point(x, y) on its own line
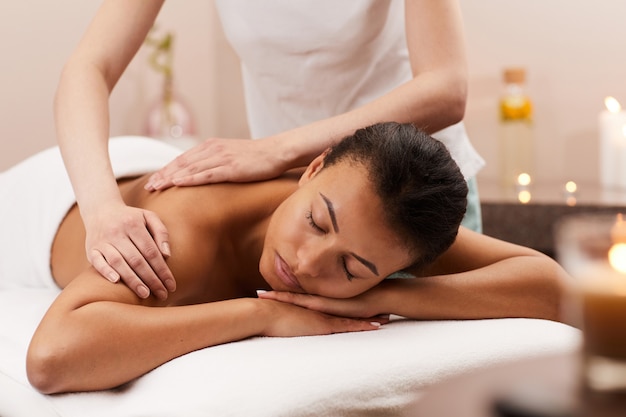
point(473, 216)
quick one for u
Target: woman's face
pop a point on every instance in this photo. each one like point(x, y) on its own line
point(329, 237)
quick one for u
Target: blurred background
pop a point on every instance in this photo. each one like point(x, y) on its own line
point(573, 51)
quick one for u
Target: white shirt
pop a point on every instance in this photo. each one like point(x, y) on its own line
point(307, 60)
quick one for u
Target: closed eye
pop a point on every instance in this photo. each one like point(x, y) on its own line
point(345, 269)
point(309, 216)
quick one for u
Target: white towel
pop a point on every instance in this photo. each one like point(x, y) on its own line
point(374, 373)
point(35, 196)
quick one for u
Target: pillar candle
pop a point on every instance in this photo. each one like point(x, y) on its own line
point(612, 127)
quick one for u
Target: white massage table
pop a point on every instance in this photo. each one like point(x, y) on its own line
point(373, 373)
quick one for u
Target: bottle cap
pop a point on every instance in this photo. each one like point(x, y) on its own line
point(514, 75)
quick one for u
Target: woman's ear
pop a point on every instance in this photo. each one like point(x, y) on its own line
point(314, 167)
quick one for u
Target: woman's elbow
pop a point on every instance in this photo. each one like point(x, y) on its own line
point(554, 280)
point(46, 366)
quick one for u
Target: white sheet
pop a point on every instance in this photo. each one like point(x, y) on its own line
point(371, 373)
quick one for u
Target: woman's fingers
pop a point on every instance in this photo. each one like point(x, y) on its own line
point(355, 307)
point(288, 320)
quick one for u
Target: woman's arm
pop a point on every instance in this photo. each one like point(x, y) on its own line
point(481, 277)
point(434, 99)
point(478, 277)
point(98, 336)
point(121, 241)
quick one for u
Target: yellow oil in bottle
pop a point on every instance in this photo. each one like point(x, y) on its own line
point(515, 130)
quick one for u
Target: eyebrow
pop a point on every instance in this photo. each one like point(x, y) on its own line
point(333, 219)
point(367, 263)
point(331, 212)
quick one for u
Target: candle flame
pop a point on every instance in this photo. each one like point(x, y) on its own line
point(571, 187)
point(612, 104)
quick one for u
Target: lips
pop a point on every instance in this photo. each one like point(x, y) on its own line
point(285, 275)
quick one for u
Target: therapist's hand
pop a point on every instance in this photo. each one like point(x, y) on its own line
point(222, 160)
point(130, 244)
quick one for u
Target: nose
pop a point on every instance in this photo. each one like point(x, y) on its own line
point(313, 259)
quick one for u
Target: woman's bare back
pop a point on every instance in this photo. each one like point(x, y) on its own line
point(204, 225)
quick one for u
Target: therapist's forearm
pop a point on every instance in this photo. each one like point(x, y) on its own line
point(432, 102)
point(82, 120)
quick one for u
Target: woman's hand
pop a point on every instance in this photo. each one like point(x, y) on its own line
point(363, 306)
point(289, 320)
point(131, 244)
point(222, 160)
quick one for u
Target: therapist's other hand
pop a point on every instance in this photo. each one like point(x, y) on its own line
point(221, 160)
point(130, 244)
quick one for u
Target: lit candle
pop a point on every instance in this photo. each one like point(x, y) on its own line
point(604, 307)
point(592, 248)
point(612, 126)
point(603, 302)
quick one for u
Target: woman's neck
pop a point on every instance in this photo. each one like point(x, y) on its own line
point(249, 211)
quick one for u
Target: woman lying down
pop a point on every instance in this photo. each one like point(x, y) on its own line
point(388, 198)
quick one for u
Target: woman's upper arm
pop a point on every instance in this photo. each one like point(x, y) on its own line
point(89, 287)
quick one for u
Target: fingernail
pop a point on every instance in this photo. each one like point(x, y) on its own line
point(165, 248)
point(148, 186)
point(143, 291)
point(161, 294)
point(259, 292)
point(113, 277)
point(157, 184)
point(375, 323)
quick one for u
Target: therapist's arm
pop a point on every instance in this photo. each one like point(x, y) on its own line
point(433, 99)
point(121, 241)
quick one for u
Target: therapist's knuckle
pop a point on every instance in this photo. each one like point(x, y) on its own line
point(151, 252)
point(135, 261)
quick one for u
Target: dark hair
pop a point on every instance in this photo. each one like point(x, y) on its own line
point(423, 192)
